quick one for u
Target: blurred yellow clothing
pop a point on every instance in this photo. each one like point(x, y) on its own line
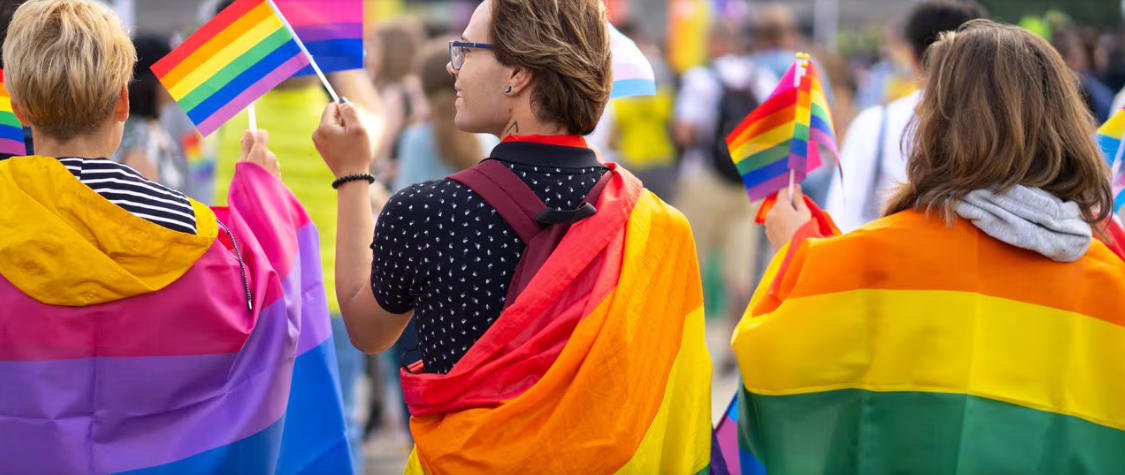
point(290, 116)
point(641, 124)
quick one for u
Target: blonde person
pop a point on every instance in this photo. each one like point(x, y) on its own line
point(557, 302)
point(142, 331)
point(978, 326)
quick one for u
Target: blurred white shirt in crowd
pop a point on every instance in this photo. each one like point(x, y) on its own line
point(859, 200)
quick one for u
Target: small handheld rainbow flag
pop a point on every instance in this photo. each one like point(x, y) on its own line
point(1110, 137)
point(779, 142)
point(234, 59)
point(11, 131)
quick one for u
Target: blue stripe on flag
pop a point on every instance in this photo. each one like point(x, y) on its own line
point(243, 82)
point(315, 441)
point(11, 133)
point(1109, 146)
point(766, 173)
point(253, 455)
point(335, 55)
point(633, 87)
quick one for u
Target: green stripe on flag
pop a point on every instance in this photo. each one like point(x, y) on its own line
point(764, 158)
point(9, 119)
point(854, 431)
point(233, 70)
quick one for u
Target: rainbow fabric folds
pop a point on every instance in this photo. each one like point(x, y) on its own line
point(129, 348)
point(877, 355)
point(785, 133)
point(599, 367)
point(238, 56)
point(1109, 138)
point(11, 130)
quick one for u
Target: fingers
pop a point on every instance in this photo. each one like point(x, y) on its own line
point(331, 116)
point(799, 200)
point(349, 116)
point(247, 145)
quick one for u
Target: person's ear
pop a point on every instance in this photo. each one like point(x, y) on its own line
point(121, 110)
point(18, 111)
point(519, 80)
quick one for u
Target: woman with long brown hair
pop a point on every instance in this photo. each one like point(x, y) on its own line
point(977, 328)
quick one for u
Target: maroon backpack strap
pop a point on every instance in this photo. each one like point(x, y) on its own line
point(539, 227)
point(507, 194)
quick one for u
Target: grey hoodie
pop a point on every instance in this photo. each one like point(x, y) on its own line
point(1030, 218)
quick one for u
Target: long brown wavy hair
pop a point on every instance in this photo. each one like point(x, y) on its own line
point(1001, 108)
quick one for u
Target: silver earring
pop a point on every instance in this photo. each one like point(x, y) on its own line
point(508, 90)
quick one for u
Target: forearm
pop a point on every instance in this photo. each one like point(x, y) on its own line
point(354, 233)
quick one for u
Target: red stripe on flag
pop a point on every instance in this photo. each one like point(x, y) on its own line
point(204, 34)
point(774, 104)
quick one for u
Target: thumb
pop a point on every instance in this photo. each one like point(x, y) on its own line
point(349, 116)
point(799, 199)
point(247, 144)
point(331, 116)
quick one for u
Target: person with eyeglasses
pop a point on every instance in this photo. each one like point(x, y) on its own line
point(557, 302)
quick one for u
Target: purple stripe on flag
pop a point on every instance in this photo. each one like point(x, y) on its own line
point(12, 147)
point(279, 75)
point(335, 31)
point(769, 187)
point(309, 287)
point(157, 410)
point(824, 139)
point(727, 435)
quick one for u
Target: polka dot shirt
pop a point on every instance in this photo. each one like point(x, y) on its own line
point(443, 252)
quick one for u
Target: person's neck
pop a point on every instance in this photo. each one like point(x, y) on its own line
point(526, 123)
point(94, 145)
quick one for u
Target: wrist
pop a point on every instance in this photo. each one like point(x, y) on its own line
point(344, 180)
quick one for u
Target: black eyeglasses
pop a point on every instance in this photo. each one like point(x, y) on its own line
point(457, 52)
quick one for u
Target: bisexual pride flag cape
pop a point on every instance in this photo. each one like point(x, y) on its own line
point(598, 367)
point(871, 354)
point(126, 347)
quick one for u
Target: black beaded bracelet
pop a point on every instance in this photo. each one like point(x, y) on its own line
point(369, 178)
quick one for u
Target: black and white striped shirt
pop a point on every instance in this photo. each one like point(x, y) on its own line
point(126, 188)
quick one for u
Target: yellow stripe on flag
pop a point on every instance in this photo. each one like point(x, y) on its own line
point(227, 55)
point(765, 141)
point(934, 341)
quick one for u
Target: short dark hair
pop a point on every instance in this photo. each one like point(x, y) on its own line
point(929, 19)
point(143, 90)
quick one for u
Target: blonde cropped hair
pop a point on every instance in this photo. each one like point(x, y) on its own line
point(66, 62)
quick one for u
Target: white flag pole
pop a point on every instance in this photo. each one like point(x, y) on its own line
point(301, 44)
point(802, 69)
point(253, 112)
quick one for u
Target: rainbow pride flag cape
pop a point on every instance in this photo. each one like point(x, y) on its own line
point(332, 31)
point(875, 355)
point(598, 367)
point(238, 56)
point(11, 130)
point(1109, 137)
point(632, 72)
point(129, 348)
point(783, 136)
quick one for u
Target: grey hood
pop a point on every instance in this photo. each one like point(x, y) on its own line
point(1030, 218)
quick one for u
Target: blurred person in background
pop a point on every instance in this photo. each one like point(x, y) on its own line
point(641, 128)
point(392, 49)
point(872, 154)
point(290, 113)
point(146, 146)
point(1098, 97)
point(712, 101)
